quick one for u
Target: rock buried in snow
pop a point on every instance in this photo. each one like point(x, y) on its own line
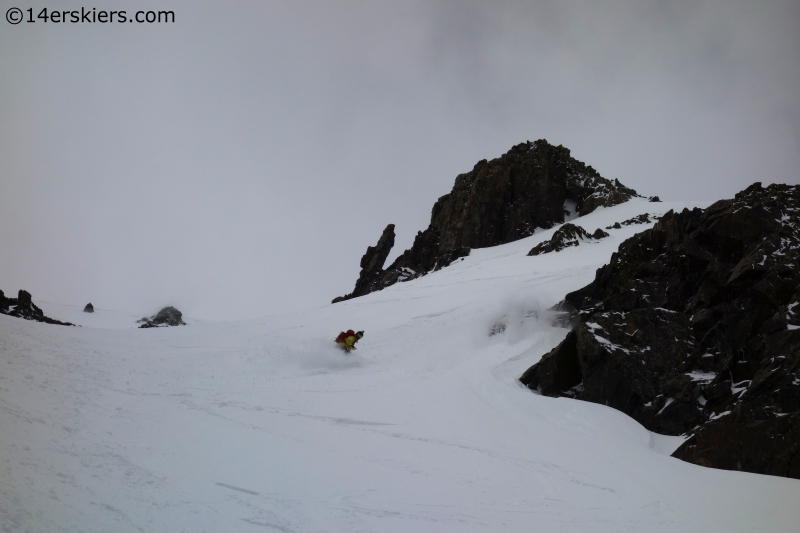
point(89, 308)
point(566, 236)
point(168, 316)
point(497, 328)
point(639, 219)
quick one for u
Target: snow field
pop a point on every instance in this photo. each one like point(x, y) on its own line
point(263, 425)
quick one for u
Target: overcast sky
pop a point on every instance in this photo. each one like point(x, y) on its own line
point(238, 162)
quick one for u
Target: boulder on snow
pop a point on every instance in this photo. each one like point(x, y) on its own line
point(497, 202)
point(168, 316)
point(638, 219)
point(566, 236)
point(89, 308)
point(694, 328)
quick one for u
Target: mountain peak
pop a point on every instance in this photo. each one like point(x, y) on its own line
point(499, 201)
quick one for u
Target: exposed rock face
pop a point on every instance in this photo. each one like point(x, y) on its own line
point(23, 307)
point(564, 237)
point(168, 316)
point(501, 201)
point(638, 219)
point(694, 328)
point(89, 308)
point(24, 299)
point(372, 266)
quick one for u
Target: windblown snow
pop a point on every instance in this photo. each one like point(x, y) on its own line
point(263, 425)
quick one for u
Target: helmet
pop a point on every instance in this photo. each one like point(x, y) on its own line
point(359, 334)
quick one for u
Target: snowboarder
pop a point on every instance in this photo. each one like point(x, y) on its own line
point(347, 340)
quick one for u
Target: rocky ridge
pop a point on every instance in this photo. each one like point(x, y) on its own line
point(693, 328)
point(23, 307)
point(497, 202)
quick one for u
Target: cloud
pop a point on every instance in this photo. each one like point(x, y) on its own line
point(240, 161)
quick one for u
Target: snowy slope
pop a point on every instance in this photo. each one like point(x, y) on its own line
point(263, 426)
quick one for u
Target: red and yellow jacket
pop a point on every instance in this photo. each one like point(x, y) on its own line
point(346, 340)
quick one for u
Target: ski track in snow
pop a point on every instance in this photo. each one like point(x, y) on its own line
point(262, 425)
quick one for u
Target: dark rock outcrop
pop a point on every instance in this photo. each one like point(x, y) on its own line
point(23, 307)
point(168, 316)
point(89, 308)
point(497, 202)
point(372, 266)
point(564, 237)
point(24, 299)
point(638, 219)
point(694, 328)
point(5, 303)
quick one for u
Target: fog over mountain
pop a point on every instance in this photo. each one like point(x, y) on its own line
point(239, 161)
